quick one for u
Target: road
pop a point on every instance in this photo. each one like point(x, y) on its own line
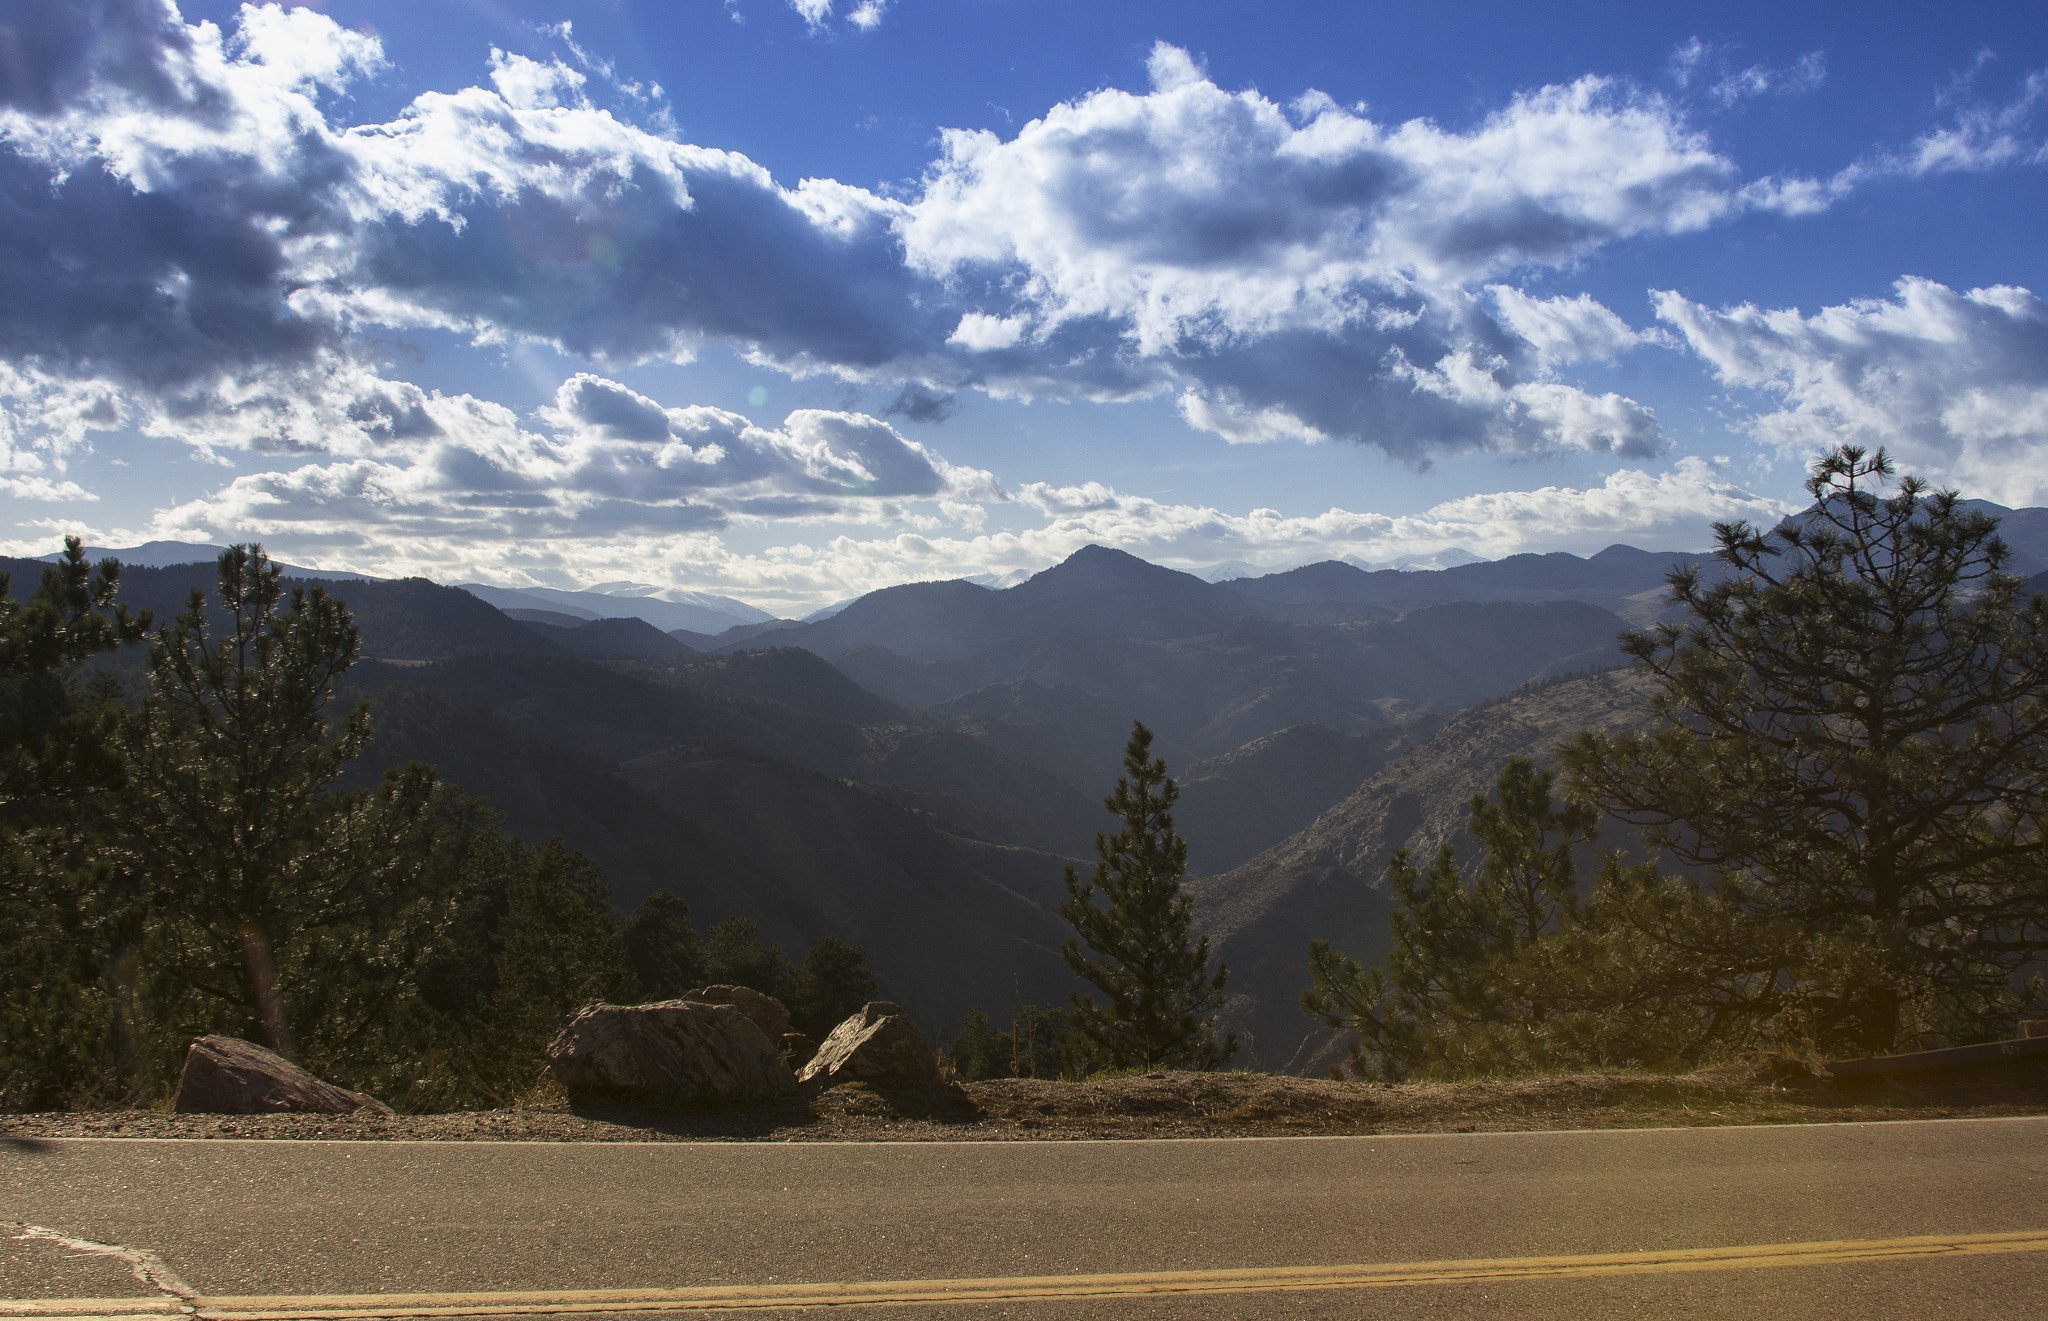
point(1922, 1220)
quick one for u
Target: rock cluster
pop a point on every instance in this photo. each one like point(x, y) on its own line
point(729, 1043)
point(228, 1076)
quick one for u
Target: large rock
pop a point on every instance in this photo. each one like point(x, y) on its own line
point(879, 1046)
point(673, 1051)
point(228, 1076)
point(766, 1011)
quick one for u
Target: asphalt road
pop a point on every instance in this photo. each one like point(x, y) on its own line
point(1946, 1219)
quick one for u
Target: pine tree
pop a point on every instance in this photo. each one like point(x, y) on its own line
point(276, 904)
point(978, 1052)
point(666, 957)
point(735, 955)
point(62, 914)
point(1856, 741)
point(830, 985)
point(1160, 998)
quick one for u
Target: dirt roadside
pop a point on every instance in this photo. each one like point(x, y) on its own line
point(1157, 1105)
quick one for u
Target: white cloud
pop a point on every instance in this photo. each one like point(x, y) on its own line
point(1979, 136)
point(1983, 137)
point(36, 487)
point(1677, 506)
point(1805, 74)
point(1695, 61)
point(607, 484)
point(1954, 384)
point(817, 14)
point(601, 467)
point(1306, 271)
point(814, 12)
point(1561, 330)
point(530, 85)
point(200, 247)
point(981, 332)
point(192, 236)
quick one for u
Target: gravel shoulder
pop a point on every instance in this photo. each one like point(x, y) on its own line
point(1157, 1105)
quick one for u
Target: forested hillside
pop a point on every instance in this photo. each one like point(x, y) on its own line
point(1329, 881)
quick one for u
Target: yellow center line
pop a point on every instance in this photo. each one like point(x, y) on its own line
point(712, 1298)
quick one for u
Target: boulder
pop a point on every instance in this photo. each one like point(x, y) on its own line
point(670, 1052)
point(766, 1011)
point(879, 1046)
point(228, 1076)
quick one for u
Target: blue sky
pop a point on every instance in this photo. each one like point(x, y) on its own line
point(787, 300)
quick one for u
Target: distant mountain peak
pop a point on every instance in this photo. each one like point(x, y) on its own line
point(1230, 571)
point(1095, 566)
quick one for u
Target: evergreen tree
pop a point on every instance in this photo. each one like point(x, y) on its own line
point(1855, 740)
point(830, 985)
point(1510, 971)
point(560, 946)
point(1042, 1045)
point(269, 895)
point(52, 745)
point(978, 1052)
point(64, 917)
point(1160, 1000)
point(666, 957)
point(735, 955)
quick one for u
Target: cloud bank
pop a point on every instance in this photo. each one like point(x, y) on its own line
point(629, 491)
point(196, 244)
point(195, 241)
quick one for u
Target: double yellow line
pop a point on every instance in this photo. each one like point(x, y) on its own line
point(756, 1297)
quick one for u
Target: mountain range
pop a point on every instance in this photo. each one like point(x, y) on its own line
point(913, 771)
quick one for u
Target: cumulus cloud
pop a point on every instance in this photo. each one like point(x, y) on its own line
point(242, 240)
point(1954, 384)
point(1304, 270)
point(600, 467)
point(189, 232)
point(195, 244)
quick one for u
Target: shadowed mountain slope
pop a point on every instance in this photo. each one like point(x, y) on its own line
point(1233, 806)
point(605, 638)
point(948, 922)
point(617, 711)
point(1329, 881)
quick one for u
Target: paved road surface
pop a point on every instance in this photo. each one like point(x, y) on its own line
point(1916, 1220)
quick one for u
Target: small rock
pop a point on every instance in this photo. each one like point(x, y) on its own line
point(229, 1076)
point(797, 1049)
point(668, 1052)
point(767, 1012)
point(879, 1046)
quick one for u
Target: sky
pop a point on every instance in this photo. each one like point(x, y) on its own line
point(787, 300)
